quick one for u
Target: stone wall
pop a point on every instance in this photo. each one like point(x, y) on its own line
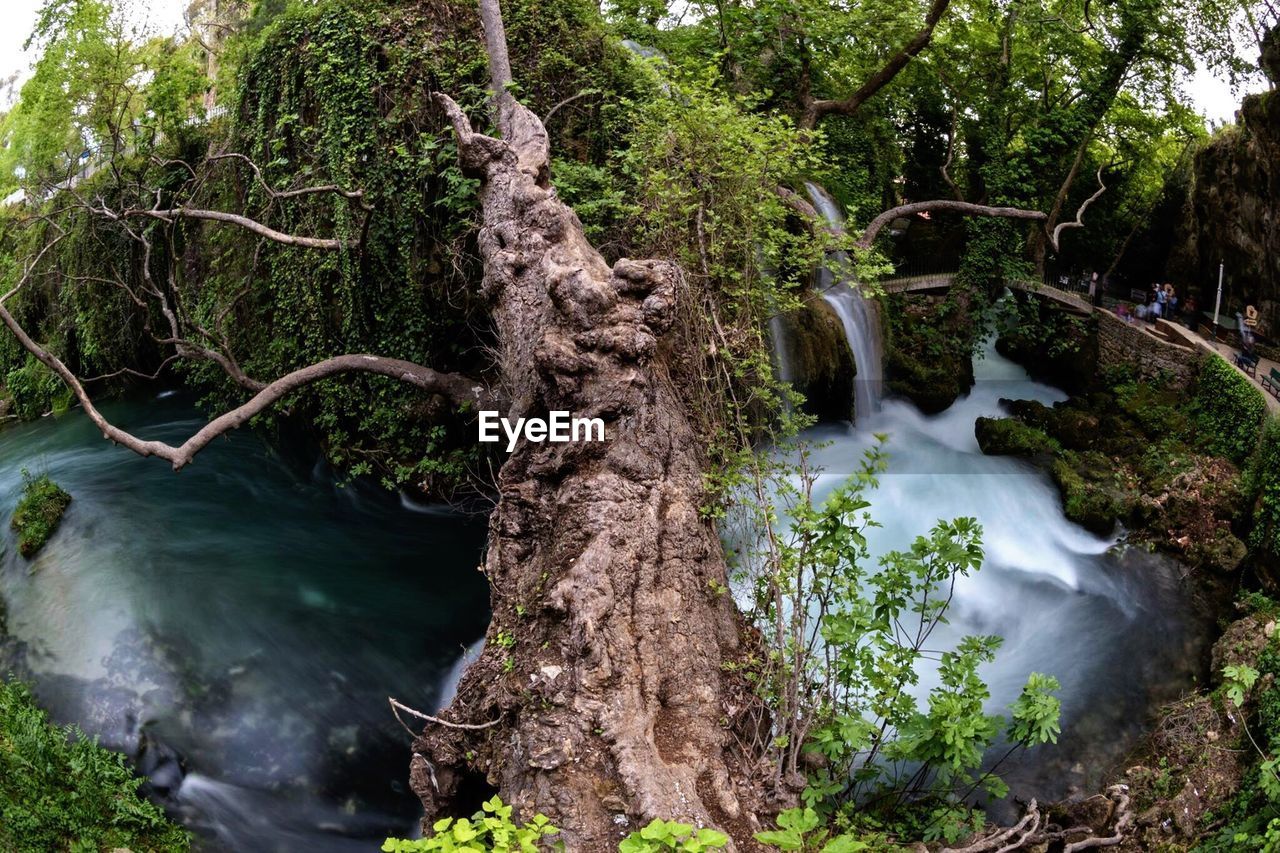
point(1120, 343)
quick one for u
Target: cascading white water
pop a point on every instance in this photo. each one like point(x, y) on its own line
point(781, 357)
point(1109, 623)
point(860, 317)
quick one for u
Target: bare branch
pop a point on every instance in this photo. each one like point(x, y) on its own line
point(945, 168)
point(129, 371)
point(1007, 839)
point(170, 214)
point(1035, 830)
point(1079, 220)
point(272, 192)
point(1063, 191)
point(569, 100)
point(459, 389)
point(397, 707)
point(1120, 795)
point(495, 45)
point(964, 208)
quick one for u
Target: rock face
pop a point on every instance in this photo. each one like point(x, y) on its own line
point(1199, 755)
point(1232, 213)
point(818, 362)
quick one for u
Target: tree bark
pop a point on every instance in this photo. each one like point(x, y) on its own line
point(606, 663)
point(964, 208)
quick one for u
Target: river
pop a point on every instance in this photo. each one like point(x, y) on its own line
point(237, 628)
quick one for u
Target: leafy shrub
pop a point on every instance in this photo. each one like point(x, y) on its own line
point(842, 671)
point(660, 835)
point(1227, 410)
point(38, 513)
point(490, 830)
point(1262, 485)
point(36, 390)
point(802, 829)
point(59, 790)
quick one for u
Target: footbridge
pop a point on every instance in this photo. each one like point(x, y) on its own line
point(1076, 302)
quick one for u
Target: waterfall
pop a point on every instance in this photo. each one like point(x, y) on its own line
point(860, 317)
point(1111, 624)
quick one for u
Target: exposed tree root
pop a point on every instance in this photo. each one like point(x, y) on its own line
point(1035, 829)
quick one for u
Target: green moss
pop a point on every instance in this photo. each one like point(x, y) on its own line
point(1092, 495)
point(38, 513)
point(59, 790)
point(1262, 486)
point(928, 352)
point(1011, 437)
point(35, 390)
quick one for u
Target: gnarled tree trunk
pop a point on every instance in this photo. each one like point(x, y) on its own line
point(604, 672)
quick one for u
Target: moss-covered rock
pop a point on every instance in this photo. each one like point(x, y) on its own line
point(931, 385)
point(1012, 437)
point(38, 513)
point(1071, 427)
point(928, 354)
point(1094, 494)
point(820, 365)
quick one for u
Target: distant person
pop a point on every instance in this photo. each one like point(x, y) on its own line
point(1157, 307)
point(1170, 303)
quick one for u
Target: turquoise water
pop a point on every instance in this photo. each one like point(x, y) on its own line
point(237, 628)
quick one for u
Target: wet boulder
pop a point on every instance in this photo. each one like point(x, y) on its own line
point(816, 359)
point(1094, 495)
point(1012, 437)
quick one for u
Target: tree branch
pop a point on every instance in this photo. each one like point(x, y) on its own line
point(945, 168)
point(815, 110)
point(457, 388)
point(1079, 220)
point(964, 208)
point(1034, 829)
point(172, 213)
